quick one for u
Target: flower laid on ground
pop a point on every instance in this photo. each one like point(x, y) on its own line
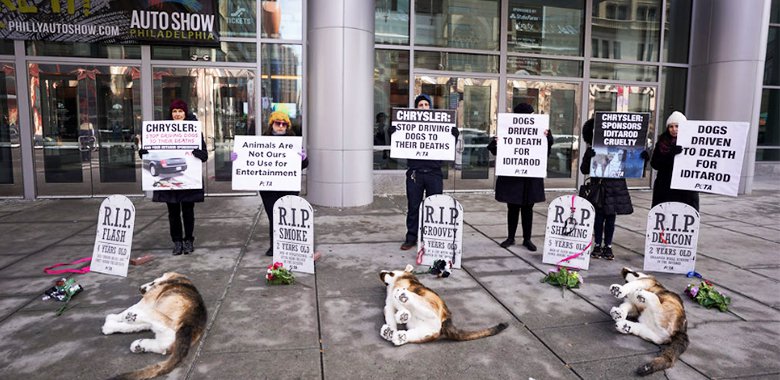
point(563, 277)
point(278, 275)
point(706, 295)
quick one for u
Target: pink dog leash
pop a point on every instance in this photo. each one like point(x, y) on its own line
point(51, 270)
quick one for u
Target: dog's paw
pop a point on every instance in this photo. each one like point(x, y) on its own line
point(399, 337)
point(623, 327)
point(386, 332)
point(401, 295)
point(107, 330)
point(137, 346)
point(640, 297)
point(617, 291)
point(616, 313)
point(402, 316)
point(131, 317)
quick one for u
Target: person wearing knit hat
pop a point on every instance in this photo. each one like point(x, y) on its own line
point(278, 125)
point(181, 203)
point(520, 193)
point(663, 161)
point(423, 179)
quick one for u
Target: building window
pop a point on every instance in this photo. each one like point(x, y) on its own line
point(282, 82)
point(677, 31)
point(238, 18)
point(464, 24)
point(535, 26)
point(391, 89)
point(391, 22)
point(611, 23)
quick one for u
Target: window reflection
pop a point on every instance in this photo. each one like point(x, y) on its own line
point(619, 71)
point(282, 82)
point(82, 49)
point(10, 151)
point(391, 89)
point(677, 31)
point(769, 119)
point(622, 32)
point(465, 24)
point(772, 65)
point(673, 84)
point(282, 19)
point(238, 18)
point(537, 26)
point(540, 66)
point(227, 52)
point(391, 22)
point(432, 60)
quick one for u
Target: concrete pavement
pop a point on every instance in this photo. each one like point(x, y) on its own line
point(327, 325)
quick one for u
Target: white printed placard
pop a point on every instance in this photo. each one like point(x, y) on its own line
point(521, 147)
point(672, 236)
point(423, 134)
point(711, 160)
point(569, 231)
point(114, 236)
point(294, 233)
point(441, 231)
point(170, 165)
point(267, 163)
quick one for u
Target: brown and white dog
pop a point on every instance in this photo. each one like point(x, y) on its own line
point(422, 311)
point(661, 317)
point(172, 308)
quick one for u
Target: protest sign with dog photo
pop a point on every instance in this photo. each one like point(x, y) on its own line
point(619, 138)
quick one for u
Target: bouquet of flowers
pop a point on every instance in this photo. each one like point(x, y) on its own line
point(706, 295)
point(278, 275)
point(563, 277)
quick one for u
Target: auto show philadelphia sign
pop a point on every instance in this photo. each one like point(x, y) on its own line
point(175, 22)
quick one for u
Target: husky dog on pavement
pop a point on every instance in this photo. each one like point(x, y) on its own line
point(659, 313)
point(416, 314)
point(172, 308)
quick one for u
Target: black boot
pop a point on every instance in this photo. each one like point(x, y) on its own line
point(188, 246)
point(507, 243)
point(178, 248)
point(528, 244)
point(269, 252)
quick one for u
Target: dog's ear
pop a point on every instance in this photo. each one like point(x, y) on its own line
point(409, 268)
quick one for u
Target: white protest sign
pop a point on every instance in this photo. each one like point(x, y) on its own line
point(294, 234)
point(441, 231)
point(170, 165)
point(521, 149)
point(423, 134)
point(114, 237)
point(619, 138)
point(567, 237)
point(711, 160)
point(672, 235)
point(267, 163)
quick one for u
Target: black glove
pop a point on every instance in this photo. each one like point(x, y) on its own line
point(677, 149)
point(493, 144)
point(590, 153)
point(200, 154)
point(141, 153)
point(455, 132)
point(645, 155)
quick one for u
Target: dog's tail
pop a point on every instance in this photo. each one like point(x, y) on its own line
point(451, 332)
point(668, 356)
point(179, 350)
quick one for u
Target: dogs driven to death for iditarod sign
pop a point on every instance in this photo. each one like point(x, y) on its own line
point(172, 308)
point(658, 316)
point(416, 314)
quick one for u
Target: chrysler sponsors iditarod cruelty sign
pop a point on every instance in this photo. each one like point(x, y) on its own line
point(192, 22)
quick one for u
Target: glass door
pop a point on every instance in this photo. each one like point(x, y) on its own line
point(223, 100)
point(476, 102)
point(85, 125)
point(624, 98)
point(11, 184)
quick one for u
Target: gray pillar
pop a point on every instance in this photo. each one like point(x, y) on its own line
point(340, 94)
point(728, 50)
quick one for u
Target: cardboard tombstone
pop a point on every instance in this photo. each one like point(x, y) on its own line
point(267, 163)
point(569, 231)
point(294, 234)
point(440, 235)
point(114, 236)
point(672, 236)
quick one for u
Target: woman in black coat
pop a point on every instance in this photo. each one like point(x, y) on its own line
point(520, 194)
point(278, 125)
point(617, 201)
point(663, 161)
point(181, 203)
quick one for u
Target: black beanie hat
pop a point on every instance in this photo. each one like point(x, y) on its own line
point(523, 108)
point(179, 104)
point(422, 97)
point(587, 131)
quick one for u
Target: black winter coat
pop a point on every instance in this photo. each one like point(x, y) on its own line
point(617, 200)
point(522, 191)
point(663, 162)
point(178, 196)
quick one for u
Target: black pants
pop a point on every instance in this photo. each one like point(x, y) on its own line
point(177, 212)
point(419, 184)
point(513, 212)
point(269, 198)
point(604, 224)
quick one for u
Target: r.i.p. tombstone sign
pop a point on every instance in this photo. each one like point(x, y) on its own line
point(294, 234)
point(672, 235)
point(114, 237)
point(441, 231)
point(567, 238)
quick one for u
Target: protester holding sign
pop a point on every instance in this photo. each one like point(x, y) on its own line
point(617, 201)
point(520, 193)
point(663, 161)
point(181, 203)
point(423, 179)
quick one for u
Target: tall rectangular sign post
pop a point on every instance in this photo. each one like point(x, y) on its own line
point(114, 236)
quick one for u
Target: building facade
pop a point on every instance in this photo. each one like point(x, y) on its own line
point(72, 111)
